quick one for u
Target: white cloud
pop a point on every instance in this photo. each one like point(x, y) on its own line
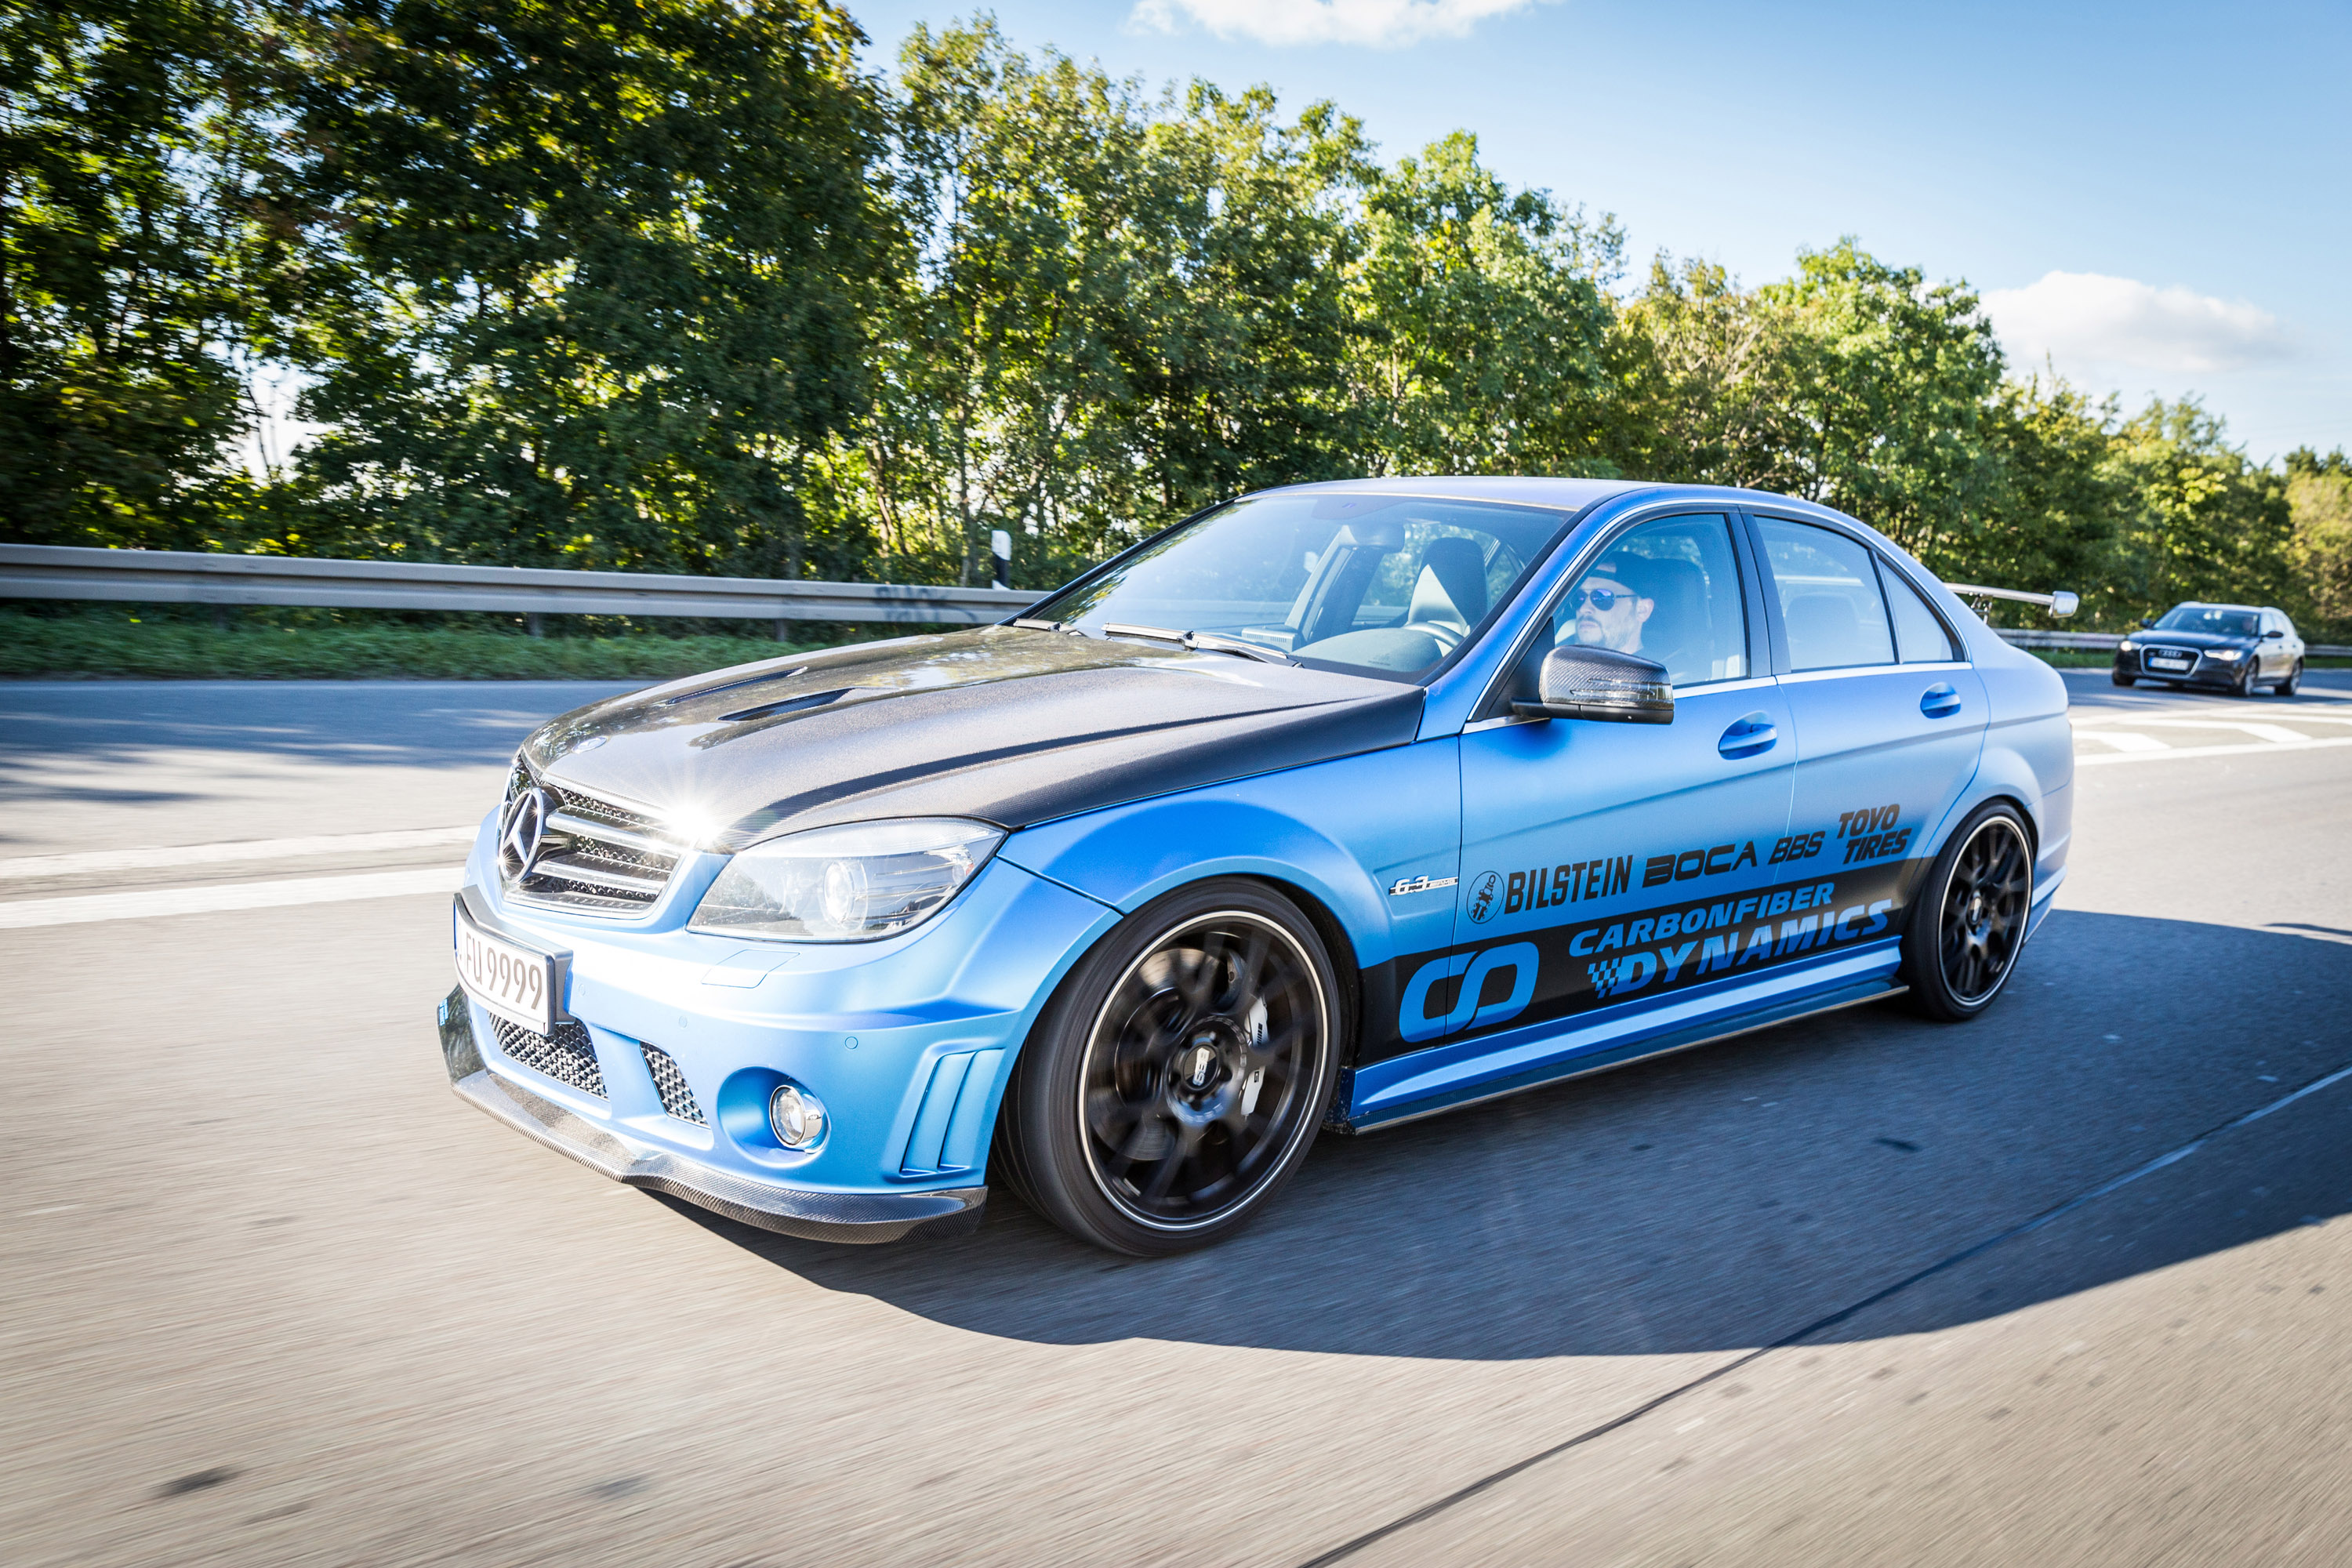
point(1382, 24)
point(2088, 318)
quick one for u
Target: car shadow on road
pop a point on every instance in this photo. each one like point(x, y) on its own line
point(1723, 1197)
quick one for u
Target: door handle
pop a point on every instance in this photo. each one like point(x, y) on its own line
point(1939, 700)
point(1748, 736)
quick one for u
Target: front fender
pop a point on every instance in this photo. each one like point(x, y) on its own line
point(1341, 832)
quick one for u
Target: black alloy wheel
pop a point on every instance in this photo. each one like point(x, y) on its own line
point(1178, 1077)
point(2247, 666)
point(1969, 921)
point(2293, 683)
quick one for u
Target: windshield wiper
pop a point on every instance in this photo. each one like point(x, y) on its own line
point(1200, 642)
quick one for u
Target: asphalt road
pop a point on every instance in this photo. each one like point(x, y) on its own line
point(2072, 1284)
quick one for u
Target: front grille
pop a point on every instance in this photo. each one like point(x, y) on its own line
point(671, 1083)
point(566, 1055)
point(2188, 653)
point(596, 855)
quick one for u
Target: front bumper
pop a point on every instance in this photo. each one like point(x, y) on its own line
point(2206, 671)
point(770, 1206)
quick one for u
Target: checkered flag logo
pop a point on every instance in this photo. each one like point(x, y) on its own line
point(1609, 976)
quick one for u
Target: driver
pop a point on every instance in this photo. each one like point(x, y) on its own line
point(1609, 607)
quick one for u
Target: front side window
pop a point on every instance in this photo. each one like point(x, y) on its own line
point(2211, 618)
point(1829, 601)
point(1668, 591)
point(1373, 584)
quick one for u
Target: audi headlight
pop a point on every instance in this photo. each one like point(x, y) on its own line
point(2225, 654)
point(854, 883)
point(2126, 646)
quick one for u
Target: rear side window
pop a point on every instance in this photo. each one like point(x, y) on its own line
point(1829, 601)
point(1919, 636)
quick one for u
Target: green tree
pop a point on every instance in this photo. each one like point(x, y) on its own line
point(1480, 322)
point(597, 273)
point(2319, 552)
point(2203, 521)
point(137, 251)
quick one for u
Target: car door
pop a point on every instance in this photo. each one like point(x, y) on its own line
point(1594, 852)
point(1889, 722)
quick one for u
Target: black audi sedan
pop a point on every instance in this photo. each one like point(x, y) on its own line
point(2237, 648)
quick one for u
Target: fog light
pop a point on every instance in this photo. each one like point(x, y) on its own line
point(796, 1118)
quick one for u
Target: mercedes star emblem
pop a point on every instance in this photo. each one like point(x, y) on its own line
point(523, 830)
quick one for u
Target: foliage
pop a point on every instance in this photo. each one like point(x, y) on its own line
point(674, 285)
point(598, 273)
point(2319, 555)
point(136, 267)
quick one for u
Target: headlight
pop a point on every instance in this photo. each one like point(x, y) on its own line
point(2225, 654)
point(2126, 646)
point(855, 883)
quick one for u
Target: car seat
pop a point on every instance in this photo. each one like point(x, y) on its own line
point(1823, 631)
point(1676, 633)
point(1449, 597)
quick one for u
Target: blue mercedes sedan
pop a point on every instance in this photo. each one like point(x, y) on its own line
point(1331, 807)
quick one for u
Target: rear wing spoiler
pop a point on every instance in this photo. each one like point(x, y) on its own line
point(2059, 604)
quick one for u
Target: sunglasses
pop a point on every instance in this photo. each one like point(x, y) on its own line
point(1601, 599)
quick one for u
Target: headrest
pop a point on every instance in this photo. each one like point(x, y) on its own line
point(1453, 583)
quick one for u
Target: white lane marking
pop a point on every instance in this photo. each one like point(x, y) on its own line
point(219, 853)
point(2126, 739)
point(22, 913)
point(2267, 748)
point(2285, 737)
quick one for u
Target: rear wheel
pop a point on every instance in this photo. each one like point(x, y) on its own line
point(1969, 919)
point(1176, 1080)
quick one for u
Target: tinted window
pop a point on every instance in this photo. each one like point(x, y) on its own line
point(2212, 618)
point(1829, 596)
point(1366, 582)
point(1668, 591)
point(1919, 636)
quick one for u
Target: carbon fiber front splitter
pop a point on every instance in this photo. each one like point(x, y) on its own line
point(790, 1211)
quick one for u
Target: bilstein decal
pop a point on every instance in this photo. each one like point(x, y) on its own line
point(1575, 966)
point(1547, 886)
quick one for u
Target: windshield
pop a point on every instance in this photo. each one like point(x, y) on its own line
point(2204, 618)
point(1377, 583)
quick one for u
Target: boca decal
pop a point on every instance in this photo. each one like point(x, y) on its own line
point(1573, 967)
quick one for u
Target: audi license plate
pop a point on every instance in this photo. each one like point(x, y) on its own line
point(2167, 664)
point(506, 978)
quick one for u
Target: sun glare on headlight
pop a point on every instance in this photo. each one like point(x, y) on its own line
point(853, 883)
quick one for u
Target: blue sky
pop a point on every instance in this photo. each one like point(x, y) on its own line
point(2154, 197)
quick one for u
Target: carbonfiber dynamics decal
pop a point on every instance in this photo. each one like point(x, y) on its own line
point(1574, 967)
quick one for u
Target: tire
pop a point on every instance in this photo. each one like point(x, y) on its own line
point(2245, 687)
point(1176, 1080)
point(1969, 921)
point(2291, 684)
point(2120, 678)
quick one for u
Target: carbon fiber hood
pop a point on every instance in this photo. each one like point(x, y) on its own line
point(1006, 724)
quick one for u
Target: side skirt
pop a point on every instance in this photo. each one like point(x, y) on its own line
point(1690, 1039)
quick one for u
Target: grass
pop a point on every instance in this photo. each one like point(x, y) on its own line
point(103, 644)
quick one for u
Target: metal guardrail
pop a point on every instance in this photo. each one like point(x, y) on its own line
point(203, 578)
point(199, 577)
point(2105, 642)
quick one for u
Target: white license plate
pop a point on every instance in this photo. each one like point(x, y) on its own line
point(506, 978)
point(2167, 664)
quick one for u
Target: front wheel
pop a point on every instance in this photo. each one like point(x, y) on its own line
point(2119, 678)
point(1178, 1078)
point(2245, 687)
point(1969, 921)
point(2293, 683)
